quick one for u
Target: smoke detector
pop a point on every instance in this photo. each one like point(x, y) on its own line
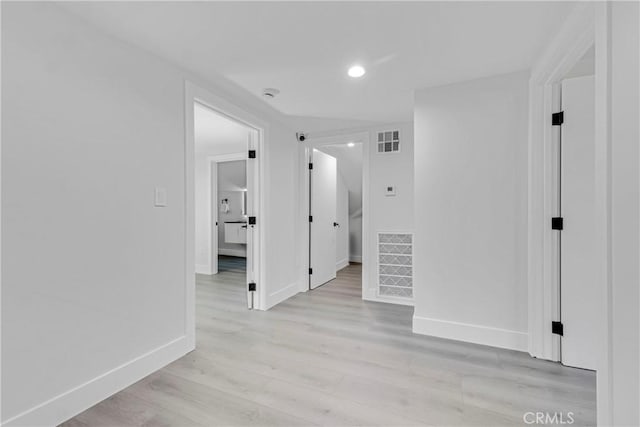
point(270, 92)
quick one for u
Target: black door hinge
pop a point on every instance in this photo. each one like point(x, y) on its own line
point(310, 218)
point(557, 118)
point(252, 220)
point(557, 223)
point(252, 154)
point(557, 328)
point(310, 166)
point(252, 287)
point(310, 270)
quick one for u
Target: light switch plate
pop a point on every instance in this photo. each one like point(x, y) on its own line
point(390, 190)
point(160, 199)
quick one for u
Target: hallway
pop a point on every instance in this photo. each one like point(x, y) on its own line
point(328, 358)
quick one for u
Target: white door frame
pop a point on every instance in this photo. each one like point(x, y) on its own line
point(587, 25)
point(193, 94)
point(212, 204)
point(304, 154)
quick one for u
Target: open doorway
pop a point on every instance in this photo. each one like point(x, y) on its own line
point(225, 199)
point(231, 215)
point(335, 214)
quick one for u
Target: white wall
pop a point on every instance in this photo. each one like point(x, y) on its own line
point(93, 275)
point(232, 175)
point(281, 194)
point(342, 218)
point(355, 236)
point(471, 197)
point(625, 214)
point(586, 66)
point(395, 213)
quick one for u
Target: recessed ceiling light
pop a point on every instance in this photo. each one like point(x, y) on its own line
point(356, 71)
point(351, 144)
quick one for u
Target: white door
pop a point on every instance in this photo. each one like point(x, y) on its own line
point(323, 177)
point(215, 207)
point(578, 289)
point(252, 225)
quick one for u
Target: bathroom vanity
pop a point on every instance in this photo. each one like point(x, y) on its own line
point(235, 232)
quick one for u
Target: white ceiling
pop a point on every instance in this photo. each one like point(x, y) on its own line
point(216, 134)
point(305, 48)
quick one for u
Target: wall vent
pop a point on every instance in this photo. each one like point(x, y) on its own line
point(395, 265)
point(389, 141)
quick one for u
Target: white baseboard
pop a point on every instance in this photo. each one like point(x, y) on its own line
point(203, 269)
point(477, 334)
point(278, 296)
point(389, 300)
point(233, 252)
point(72, 402)
point(342, 264)
point(355, 258)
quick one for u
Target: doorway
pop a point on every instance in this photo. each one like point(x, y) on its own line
point(335, 208)
point(229, 213)
point(223, 188)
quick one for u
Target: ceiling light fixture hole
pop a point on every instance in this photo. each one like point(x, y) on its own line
point(270, 92)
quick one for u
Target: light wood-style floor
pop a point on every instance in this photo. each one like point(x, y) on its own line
point(231, 264)
point(326, 357)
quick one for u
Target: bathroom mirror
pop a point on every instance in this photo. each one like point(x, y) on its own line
point(244, 203)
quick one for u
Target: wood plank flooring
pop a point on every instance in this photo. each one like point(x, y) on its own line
point(326, 357)
point(232, 263)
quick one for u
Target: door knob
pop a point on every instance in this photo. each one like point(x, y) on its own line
point(335, 224)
